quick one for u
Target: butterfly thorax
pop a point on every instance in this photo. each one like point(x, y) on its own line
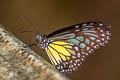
point(42, 41)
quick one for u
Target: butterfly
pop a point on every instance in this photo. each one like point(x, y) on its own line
point(68, 48)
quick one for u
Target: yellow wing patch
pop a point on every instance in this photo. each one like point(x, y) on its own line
point(67, 46)
point(51, 57)
point(60, 49)
point(63, 57)
point(57, 52)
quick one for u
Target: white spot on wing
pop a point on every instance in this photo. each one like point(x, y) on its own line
point(98, 28)
point(77, 30)
point(98, 40)
point(92, 43)
point(103, 39)
point(71, 61)
point(84, 24)
point(77, 26)
point(95, 47)
point(103, 35)
point(76, 48)
point(101, 24)
point(91, 23)
point(101, 30)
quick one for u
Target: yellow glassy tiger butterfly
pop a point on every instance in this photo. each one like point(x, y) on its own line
point(68, 48)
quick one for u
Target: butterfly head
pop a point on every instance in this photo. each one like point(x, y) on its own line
point(41, 40)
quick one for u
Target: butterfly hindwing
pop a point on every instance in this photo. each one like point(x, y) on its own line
point(63, 56)
point(71, 45)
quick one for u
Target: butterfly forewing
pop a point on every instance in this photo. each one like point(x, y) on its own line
point(71, 45)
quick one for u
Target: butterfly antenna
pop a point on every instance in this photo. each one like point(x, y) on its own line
point(27, 21)
point(29, 32)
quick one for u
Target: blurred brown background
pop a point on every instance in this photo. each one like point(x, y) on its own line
point(50, 15)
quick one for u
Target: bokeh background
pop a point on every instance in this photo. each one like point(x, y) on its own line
point(46, 16)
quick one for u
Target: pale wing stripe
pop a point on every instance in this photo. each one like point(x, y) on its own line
point(88, 31)
point(91, 34)
point(50, 56)
point(65, 36)
point(55, 54)
point(59, 34)
point(54, 59)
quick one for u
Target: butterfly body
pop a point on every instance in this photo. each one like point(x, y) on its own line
point(68, 48)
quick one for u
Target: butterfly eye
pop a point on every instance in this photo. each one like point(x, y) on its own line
point(38, 36)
